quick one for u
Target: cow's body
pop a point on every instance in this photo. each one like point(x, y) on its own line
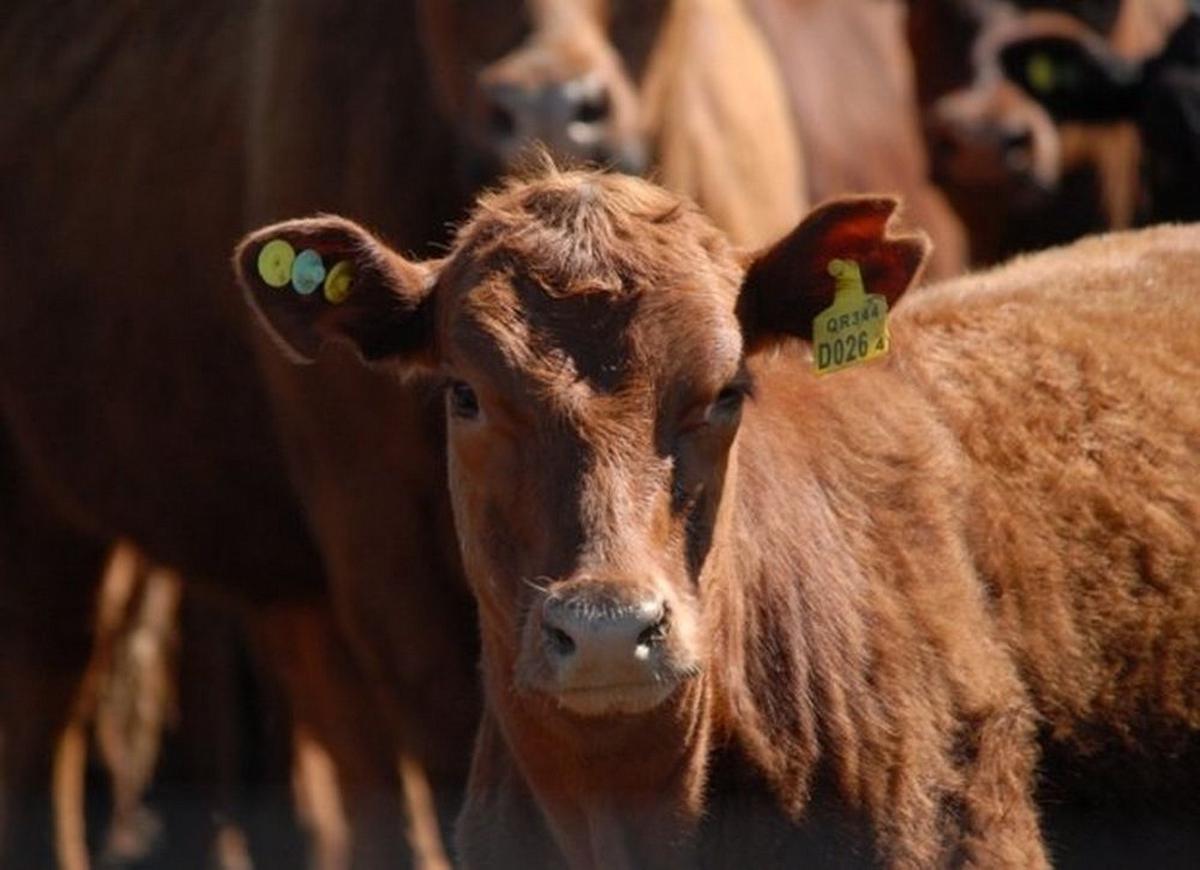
point(862, 593)
point(152, 418)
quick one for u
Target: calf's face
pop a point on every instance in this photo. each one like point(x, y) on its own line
point(588, 433)
point(593, 334)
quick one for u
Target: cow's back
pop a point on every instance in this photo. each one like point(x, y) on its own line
point(1070, 381)
point(128, 377)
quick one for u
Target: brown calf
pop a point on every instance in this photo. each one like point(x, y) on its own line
point(866, 588)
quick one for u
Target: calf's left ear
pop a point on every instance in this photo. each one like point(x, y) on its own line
point(327, 279)
point(789, 284)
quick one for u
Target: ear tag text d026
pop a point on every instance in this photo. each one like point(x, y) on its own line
point(853, 329)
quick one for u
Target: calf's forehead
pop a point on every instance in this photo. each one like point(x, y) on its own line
point(601, 279)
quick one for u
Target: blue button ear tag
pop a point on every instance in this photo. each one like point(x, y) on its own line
point(308, 271)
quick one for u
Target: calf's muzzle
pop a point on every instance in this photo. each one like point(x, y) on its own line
point(602, 645)
point(594, 628)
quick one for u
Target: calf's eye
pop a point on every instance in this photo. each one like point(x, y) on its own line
point(729, 401)
point(462, 401)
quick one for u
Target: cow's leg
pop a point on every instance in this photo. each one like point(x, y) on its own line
point(1002, 820)
point(997, 751)
point(336, 712)
point(48, 574)
point(224, 785)
point(133, 697)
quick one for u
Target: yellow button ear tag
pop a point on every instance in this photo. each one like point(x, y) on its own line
point(853, 329)
point(338, 281)
point(275, 262)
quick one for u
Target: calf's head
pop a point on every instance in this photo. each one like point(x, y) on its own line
point(593, 332)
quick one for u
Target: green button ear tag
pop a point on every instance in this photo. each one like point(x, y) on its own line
point(1041, 74)
point(853, 329)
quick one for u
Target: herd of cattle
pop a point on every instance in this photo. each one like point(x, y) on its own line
point(557, 551)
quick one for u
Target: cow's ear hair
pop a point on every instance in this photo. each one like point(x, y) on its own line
point(788, 284)
point(326, 278)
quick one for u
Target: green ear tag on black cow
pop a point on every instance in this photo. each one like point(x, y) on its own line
point(1040, 74)
point(853, 329)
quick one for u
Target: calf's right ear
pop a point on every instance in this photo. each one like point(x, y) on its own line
point(327, 279)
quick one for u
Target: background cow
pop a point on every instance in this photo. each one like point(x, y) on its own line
point(1076, 76)
point(1018, 180)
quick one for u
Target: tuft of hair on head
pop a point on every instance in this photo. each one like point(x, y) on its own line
point(538, 163)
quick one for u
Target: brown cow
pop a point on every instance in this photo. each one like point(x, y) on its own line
point(1017, 180)
point(149, 416)
point(310, 150)
point(154, 421)
point(867, 587)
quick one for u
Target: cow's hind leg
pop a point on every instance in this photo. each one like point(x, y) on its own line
point(48, 574)
point(999, 815)
point(348, 775)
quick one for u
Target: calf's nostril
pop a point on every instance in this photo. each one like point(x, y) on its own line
point(654, 634)
point(561, 642)
point(943, 142)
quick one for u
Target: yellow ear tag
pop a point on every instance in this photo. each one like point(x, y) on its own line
point(338, 281)
point(275, 262)
point(853, 329)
